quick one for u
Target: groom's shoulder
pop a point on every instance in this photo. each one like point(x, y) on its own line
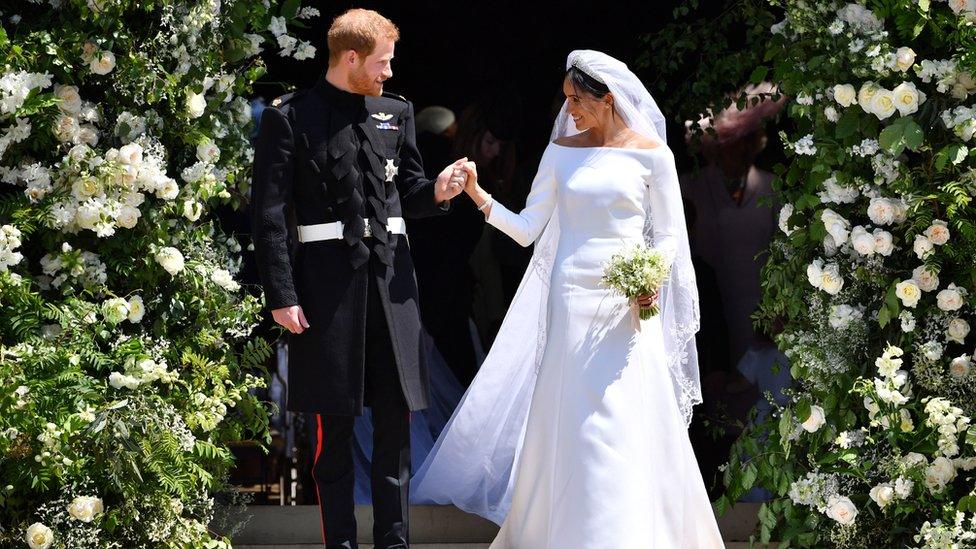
point(393, 101)
point(285, 102)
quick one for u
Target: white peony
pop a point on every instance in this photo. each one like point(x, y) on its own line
point(103, 63)
point(951, 298)
point(85, 508)
point(908, 292)
point(904, 58)
point(882, 211)
point(192, 209)
point(903, 487)
point(137, 309)
point(208, 152)
point(816, 420)
point(830, 279)
point(939, 474)
point(926, 278)
point(960, 367)
point(845, 95)
point(196, 105)
point(882, 104)
point(957, 330)
point(69, 99)
point(883, 242)
point(907, 98)
point(39, 536)
point(922, 247)
point(938, 232)
point(841, 509)
point(815, 273)
point(862, 241)
point(170, 259)
point(882, 494)
point(131, 154)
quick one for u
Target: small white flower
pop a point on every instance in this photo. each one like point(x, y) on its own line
point(225, 280)
point(784, 217)
point(907, 98)
point(816, 420)
point(938, 232)
point(932, 350)
point(957, 330)
point(845, 95)
point(882, 494)
point(960, 367)
point(192, 209)
point(904, 58)
point(39, 536)
point(882, 104)
point(841, 509)
point(103, 63)
point(196, 104)
point(907, 321)
point(278, 26)
point(908, 292)
point(922, 247)
point(137, 309)
point(831, 114)
point(85, 508)
point(170, 259)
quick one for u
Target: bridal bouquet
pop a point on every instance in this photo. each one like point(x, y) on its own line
point(637, 271)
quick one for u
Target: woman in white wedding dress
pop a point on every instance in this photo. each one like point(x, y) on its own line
point(574, 433)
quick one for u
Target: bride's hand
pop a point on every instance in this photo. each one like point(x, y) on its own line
point(471, 183)
point(646, 301)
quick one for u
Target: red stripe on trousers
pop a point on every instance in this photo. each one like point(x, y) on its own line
point(318, 452)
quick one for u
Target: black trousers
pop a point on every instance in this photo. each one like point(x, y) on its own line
point(390, 472)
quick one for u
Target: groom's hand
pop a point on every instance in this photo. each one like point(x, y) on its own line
point(450, 182)
point(291, 318)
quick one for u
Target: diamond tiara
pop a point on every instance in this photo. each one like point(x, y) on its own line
point(577, 62)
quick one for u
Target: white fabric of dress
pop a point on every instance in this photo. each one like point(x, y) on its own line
point(604, 460)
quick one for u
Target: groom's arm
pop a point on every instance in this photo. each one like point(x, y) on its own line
point(417, 193)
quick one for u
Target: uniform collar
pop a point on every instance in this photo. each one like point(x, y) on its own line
point(338, 97)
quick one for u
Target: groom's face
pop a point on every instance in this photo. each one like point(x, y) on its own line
point(369, 72)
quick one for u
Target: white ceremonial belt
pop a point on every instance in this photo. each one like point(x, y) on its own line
point(333, 231)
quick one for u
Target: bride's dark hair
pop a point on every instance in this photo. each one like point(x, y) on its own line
point(582, 81)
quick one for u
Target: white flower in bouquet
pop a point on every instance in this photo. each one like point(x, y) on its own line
point(39, 536)
point(867, 147)
point(128, 216)
point(129, 126)
point(882, 494)
point(908, 292)
point(903, 487)
point(816, 420)
point(841, 509)
point(960, 367)
point(784, 218)
point(9, 242)
point(888, 393)
point(957, 330)
point(938, 232)
point(830, 279)
point(254, 43)
point(883, 242)
point(904, 58)
point(87, 134)
point(882, 211)
point(830, 246)
point(932, 350)
point(225, 280)
point(906, 425)
point(815, 273)
point(922, 247)
point(115, 310)
point(137, 309)
point(170, 259)
point(278, 26)
point(16, 86)
point(208, 151)
point(845, 95)
point(639, 270)
point(913, 459)
point(939, 474)
point(66, 128)
point(119, 380)
point(963, 7)
point(85, 508)
point(805, 146)
point(103, 63)
point(842, 315)
point(926, 278)
point(952, 298)
point(837, 227)
point(889, 362)
point(831, 114)
point(131, 154)
point(859, 17)
point(168, 190)
point(862, 241)
point(69, 99)
point(192, 209)
point(907, 98)
point(907, 321)
point(837, 193)
point(882, 104)
point(866, 94)
point(304, 51)
point(196, 104)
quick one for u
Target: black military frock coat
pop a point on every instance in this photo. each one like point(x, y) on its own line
point(326, 155)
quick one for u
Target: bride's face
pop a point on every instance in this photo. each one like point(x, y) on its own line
point(586, 110)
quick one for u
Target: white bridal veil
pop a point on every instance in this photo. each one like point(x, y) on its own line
point(472, 464)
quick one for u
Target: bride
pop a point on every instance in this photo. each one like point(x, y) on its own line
point(573, 435)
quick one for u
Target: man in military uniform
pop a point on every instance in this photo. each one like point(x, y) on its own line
point(336, 168)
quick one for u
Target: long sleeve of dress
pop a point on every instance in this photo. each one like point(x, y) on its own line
point(526, 226)
point(666, 209)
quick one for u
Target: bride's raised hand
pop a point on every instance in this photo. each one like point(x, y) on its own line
point(646, 301)
point(471, 183)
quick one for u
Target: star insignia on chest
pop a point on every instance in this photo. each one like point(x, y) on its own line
point(391, 170)
point(382, 116)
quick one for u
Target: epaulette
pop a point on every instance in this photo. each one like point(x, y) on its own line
point(285, 99)
point(392, 95)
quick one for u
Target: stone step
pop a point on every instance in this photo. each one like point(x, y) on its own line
point(441, 527)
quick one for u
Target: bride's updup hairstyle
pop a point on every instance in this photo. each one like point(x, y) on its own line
point(582, 81)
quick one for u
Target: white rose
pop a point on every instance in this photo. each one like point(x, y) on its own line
point(938, 232)
point(904, 58)
point(882, 494)
point(192, 209)
point(87, 134)
point(131, 154)
point(128, 216)
point(66, 128)
point(103, 63)
point(951, 298)
point(966, 7)
point(957, 330)
point(119, 380)
point(170, 259)
point(960, 367)
point(137, 309)
point(883, 242)
point(841, 509)
point(831, 281)
point(845, 95)
point(168, 189)
point(926, 279)
point(903, 487)
point(907, 425)
point(39, 536)
point(84, 508)
point(882, 104)
point(115, 310)
point(70, 101)
point(908, 293)
point(866, 94)
point(907, 98)
point(922, 247)
point(831, 114)
point(784, 217)
point(816, 420)
point(196, 104)
point(939, 474)
point(881, 211)
point(208, 152)
point(836, 226)
point(862, 241)
point(223, 278)
point(815, 273)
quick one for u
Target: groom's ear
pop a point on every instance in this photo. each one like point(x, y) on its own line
point(351, 57)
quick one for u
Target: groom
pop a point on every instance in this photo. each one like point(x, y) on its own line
point(336, 168)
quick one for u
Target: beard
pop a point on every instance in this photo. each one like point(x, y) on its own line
point(361, 82)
